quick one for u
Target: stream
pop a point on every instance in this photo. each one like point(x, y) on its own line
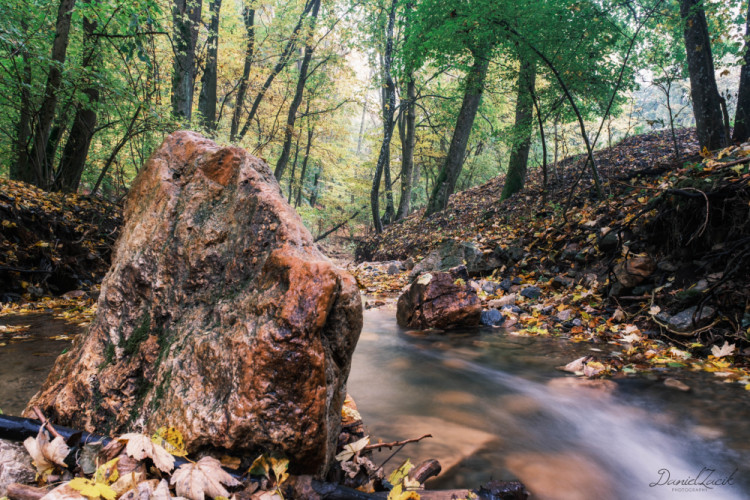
point(498, 408)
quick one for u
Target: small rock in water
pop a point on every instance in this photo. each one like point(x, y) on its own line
point(492, 317)
point(531, 292)
point(676, 384)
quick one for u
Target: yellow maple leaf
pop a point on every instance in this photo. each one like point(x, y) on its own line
point(93, 490)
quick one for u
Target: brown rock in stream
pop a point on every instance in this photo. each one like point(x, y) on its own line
point(438, 300)
point(219, 316)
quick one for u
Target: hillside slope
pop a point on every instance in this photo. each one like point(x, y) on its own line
point(665, 255)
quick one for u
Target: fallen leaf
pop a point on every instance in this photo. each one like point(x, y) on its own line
point(45, 454)
point(91, 489)
point(205, 477)
point(140, 447)
point(726, 350)
point(352, 449)
point(64, 492)
point(171, 440)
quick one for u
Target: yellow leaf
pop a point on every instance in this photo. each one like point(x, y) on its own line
point(91, 489)
point(260, 467)
point(108, 472)
point(280, 466)
point(171, 440)
point(399, 474)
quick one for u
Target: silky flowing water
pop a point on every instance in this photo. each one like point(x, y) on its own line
point(498, 408)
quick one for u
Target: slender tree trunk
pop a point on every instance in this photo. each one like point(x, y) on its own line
point(543, 137)
point(294, 167)
point(249, 18)
point(280, 65)
point(361, 135)
point(446, 180)
point(519, 155)
point(186, 18)
point(390, 104)
point(706, 100)
point(79, 140)
point(207, 97)
point(41, 169)
point(129, 134)
point(407, 150)
point(742, 115)
point(298, 93)
point(19, 169)
point(314, 192)
point(298, 199)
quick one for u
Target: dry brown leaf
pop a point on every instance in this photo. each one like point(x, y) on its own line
point(201, 479)
point(140, 447)
point(63, 492)
point(45, 454)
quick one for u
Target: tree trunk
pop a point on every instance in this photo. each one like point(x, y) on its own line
point(706, 101)
point(294, 168)
point(79, 140)
point(41, 169)
point(19, 169)
point(742, 116)
point(519, 155)
point(543, 138)
point(310, 133)
point(407, 150)
point(207, 97)
point(388, 108)
point(186, 18)
point(249, 18)
point(408, 136)
point(314, 191)
point(361, 135)
point(297, 100)
point(283, 60)
point(446, 180)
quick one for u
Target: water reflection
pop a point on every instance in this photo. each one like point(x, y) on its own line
point(27, 357)
point(496, 406)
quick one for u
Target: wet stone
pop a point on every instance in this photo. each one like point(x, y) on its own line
point(531, 292)
point(492, 317)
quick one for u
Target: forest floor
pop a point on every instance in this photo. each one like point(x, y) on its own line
point(54, 251)
point(660, 265)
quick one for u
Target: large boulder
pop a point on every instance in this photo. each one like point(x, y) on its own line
point(219, 317)
point(438, 300)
